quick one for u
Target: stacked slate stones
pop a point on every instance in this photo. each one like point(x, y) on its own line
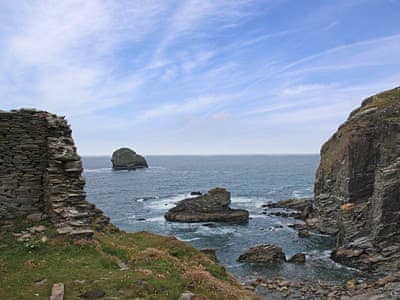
point(42, 172)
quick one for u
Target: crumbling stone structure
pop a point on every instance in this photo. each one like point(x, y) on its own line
point(41, 173)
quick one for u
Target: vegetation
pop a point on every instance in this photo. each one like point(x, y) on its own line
point(158, 267)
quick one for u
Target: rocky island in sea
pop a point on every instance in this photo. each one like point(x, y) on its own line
point(127, 159)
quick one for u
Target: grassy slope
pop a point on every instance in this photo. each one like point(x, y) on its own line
point(159, 267)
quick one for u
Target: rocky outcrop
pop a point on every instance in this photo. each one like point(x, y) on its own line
point(299, 204)
point(41, 173)
point(213, 206)
point(127, 159)
point(357, 189)
point(298, 258)
point(263, 254)
point(303, 206)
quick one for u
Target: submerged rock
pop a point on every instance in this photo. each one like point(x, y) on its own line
point(357, 188)
point(263, 254)
point(213, 206)
point(127, 159)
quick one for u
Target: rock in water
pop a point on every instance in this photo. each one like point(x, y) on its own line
point(298, 258)
point(263, 254)
point(357, 188)
point(213, 206)
point(127, 159)
point(299, 204)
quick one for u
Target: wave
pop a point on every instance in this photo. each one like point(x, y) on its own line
point(99, 170)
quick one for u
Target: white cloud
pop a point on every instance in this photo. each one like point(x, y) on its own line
point(62, 54)
point(189, 106)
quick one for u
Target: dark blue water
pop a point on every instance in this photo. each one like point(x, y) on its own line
point(128, 197)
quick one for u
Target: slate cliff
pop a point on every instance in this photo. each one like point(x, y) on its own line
point(40, 173)
point(357, 188)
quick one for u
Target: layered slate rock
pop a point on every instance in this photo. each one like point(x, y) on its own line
point(357, 188)
point(263, 254)
point(127, 159)
point(213, 206)
point(41, 173)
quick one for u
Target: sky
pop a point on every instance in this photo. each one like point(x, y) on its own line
point(198, 76)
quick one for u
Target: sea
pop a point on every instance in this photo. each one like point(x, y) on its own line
point(137, 200)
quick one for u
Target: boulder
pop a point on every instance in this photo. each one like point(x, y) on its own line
point(127, 159)
point(213, 206)
point(303, 233)
point(263, 254)
point(298, 258)
point(357, 188)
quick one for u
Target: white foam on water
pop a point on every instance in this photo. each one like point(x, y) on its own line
point(99, 170)
point(165, 203)
point(187, 240)
point(158, 168)
point(159, 219)
point(206, 230)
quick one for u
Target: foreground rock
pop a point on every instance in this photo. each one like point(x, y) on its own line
point(127, 159)
point(213, 206)
point(357, 189)
point(263, 254)
point(359, 289)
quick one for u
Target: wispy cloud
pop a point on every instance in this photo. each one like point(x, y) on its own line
point(189, 106)
point(62, 54)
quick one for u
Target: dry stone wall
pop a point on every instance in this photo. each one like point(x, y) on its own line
point(41, 173)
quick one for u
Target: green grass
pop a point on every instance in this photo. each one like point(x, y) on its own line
point(159, 267)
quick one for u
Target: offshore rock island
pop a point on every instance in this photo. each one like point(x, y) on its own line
point(127, 159)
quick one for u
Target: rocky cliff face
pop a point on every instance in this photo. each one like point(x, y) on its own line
point(357, 189)
point(41, 173)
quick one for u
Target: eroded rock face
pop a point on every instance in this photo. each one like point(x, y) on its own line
point(357, 189)
point(213, 206)
point(41, 173)
point(127, 159)
point(263, 254)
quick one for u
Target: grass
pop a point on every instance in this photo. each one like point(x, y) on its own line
point(159, 267)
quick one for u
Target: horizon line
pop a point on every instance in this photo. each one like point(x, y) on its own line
point(215, 154)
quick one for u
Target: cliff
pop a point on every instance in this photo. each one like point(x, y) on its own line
point(357, 188)
point(41, 173)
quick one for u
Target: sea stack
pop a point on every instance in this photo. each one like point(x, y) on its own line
point(127, 159)
point(213, 206)
point(357, 188)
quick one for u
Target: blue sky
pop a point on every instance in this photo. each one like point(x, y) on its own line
point(198, 76)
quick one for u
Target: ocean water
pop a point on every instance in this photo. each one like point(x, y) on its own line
point(137, 200)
